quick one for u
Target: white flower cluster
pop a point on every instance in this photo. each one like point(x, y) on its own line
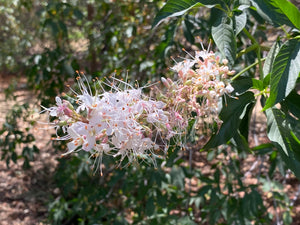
point(126, 124)
point(118, 122)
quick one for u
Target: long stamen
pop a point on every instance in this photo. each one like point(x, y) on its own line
point(183, 49)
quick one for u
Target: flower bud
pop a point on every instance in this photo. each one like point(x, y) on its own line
point(229, 88)
point(225, 61)
point(165, 82)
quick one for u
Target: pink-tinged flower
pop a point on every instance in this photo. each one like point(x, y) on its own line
point(201, 83)
point(61, 109)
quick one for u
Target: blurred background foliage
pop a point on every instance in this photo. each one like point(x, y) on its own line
point(47, 41)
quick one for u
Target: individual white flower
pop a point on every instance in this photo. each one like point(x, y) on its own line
point(82, 134)
point(183, 68)
point(229, 88)
point(60, 110)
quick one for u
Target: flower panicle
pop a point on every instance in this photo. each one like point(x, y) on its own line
point(114, 118)
point(202, 81)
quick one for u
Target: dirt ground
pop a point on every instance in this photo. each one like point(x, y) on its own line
point(24, 194)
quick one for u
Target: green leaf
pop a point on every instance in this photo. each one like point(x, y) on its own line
point(291, 12)
point(241, 142)
point(283, 137)
point(186, 221)
point(287, 218)
point(210, 155)
point(285, 71)
point(263, 148)
point(241, 85)
point(278, 12)
point(266, 80)
point(161, 198)
point(178, 7)
point(231, 115)
point(214, 215)
point(223, 35)
point(292, 102)
point(52, 25)
point(271, 57)
point(239, 22)
point(258, 84)
point(78, 14)
point(14, 157)
point(187, 28)
point(177, 177)
point(150, 207)
point(268, 185)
